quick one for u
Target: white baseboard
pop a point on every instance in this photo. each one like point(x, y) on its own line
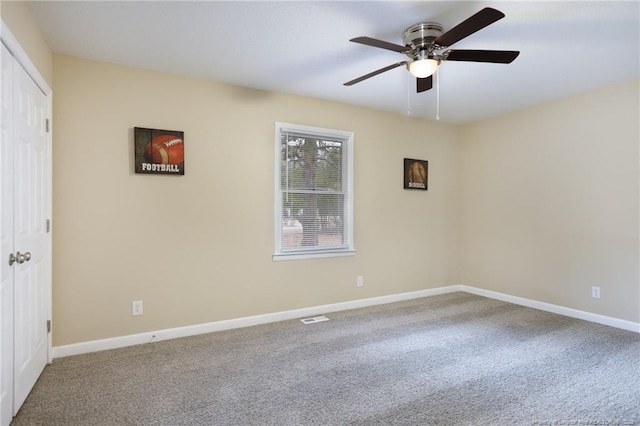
point(173, 333)
point(548, 307)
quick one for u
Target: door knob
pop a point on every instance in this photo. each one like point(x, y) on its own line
point(19, 258)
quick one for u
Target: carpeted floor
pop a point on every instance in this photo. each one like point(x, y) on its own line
point(453, 359)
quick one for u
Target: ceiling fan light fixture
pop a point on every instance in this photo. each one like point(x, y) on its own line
point(422, 68)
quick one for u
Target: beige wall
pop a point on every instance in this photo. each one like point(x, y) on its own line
point(16, 15)
point(550, 202)
point(198, 248)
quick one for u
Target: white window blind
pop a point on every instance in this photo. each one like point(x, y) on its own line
point(313, 192)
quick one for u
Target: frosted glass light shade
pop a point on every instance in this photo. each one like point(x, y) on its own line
point(423, 67)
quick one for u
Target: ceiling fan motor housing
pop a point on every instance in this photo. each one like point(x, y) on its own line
point(420, 37)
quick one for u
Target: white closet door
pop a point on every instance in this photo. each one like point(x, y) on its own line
point(6, 237)
point(30, 238)
point(24, 181)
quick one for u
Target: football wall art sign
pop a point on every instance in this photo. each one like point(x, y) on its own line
point(415, 174)
point(159, 151)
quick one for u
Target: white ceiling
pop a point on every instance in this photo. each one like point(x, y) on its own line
point(302, 47)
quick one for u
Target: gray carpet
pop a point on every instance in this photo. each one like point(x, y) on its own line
point(453, 359)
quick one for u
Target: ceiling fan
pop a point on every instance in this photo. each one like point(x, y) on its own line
point(426, 46)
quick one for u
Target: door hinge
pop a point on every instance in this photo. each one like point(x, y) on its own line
point(48, 326)
point(48, 226)
point(46, 125)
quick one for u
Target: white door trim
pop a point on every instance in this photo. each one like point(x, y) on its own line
point(23, 59)
point(9, 40)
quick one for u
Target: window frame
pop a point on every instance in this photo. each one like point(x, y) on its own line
point(347, 150)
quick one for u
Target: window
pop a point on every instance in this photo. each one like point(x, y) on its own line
point(313, 192)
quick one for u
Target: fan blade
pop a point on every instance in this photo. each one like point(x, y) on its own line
point(424, 84)
point(485, 17)
point(380, 43)
point(495, 56)
point(372, 74)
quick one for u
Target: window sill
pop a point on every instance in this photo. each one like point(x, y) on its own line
point(312, 255)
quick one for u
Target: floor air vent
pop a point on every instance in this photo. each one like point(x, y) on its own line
point(314, 320)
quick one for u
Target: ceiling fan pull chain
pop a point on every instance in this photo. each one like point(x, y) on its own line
point(409, 94)
point(437, 95)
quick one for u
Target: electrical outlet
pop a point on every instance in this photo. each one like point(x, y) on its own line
point(595, 292)
point(359, 281)
point(136, 307)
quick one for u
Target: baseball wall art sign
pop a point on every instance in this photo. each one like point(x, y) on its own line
point(159, 151)
point(415, 174)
